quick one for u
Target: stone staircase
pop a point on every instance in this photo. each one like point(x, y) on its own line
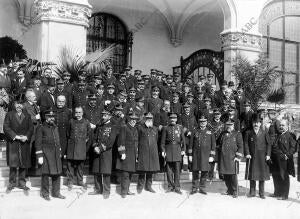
point(159, 181)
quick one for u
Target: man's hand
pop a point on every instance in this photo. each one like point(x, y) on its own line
point(267, 158)
point(23, 138)
point(160, 127)
point(92, 126)
point(97, 150)
point(37, 117)
point(40, 160)
point(190, 159)
point(163, 154)
point(211, 159)
point(123, 156)
point(286, 157)
point(18, 137)
point(248, 156)
point(189, 133)
point(182, 153)
point(237, 159)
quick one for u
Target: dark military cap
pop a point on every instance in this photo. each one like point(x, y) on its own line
point(247, 103)
point(202, 77)
point(141, 82)
point(66, 73)
point(224, 83)
point(118, 107)
point(186, 105)
point(217, 112)
point(207, 99)
point(149, 116)
point(172, 115)
point(128, 68)
point(175, 93)
point(140, 99)
point(231, 83)
point(60, 81)
point(132, 89)
point(110, 86)
point(92, 97)
point(229, 122)
point(106, 112)
point(155, 88)
point(49, 113)
point(51, 82)
point(190, 94)
point(169, 77)
point(132, 115)
point(81, 83)
point(202, 119)
point(137, 72)
point(123, 93)
point(210, 75)
point(231, 110)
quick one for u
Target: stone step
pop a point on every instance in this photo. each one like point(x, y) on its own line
point(3, 162)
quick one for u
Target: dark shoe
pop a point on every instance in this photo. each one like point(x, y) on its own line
point(9, 189)
point(25, 188)
point(83, 185)
point(169, 190)
point(139, 191)
point(226, 193)
point(262, 196)
point(274, 196)
point(194, 191)
point(123, 196)
point(282, 198)
point(106, 196)
point(202, 192)
point(60, 196)
point(46, 197)
point(250, 195)
point(234, 195)
point(94, 193)
point(150, 190)
point(178, 191)
point(130, 193)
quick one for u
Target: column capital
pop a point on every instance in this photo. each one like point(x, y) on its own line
point(236, 40)
point(67, 11)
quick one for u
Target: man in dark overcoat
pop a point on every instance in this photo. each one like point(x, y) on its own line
point(79, 133)
point(128, 150)
point(173, 147)
point(62, 119)
point(230, 154)
point(258, 151)
point(49, 156)
point(201, 152)
point(18, 129)
point(283, 150)
point(148, 159)
point(104, 139)
point(48, 98)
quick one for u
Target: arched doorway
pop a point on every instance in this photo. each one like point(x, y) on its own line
point(105, 30)
point(202, 62)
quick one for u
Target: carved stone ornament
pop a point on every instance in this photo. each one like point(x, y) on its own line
point(59, 11)
point(241, 41)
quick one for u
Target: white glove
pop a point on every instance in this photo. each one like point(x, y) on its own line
point(123, 156)
point(190, 159)
point(107, 102)
point(267, 158)
point(97, 150)
point(182, 153)
point(188, 134)
point(237, 159)
point(41, 160)
point(248, 156)
point(163, 154)
point(211, 159)
point(38, 117)
point(92, 126)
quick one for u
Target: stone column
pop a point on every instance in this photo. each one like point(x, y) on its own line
point(60, 23)
point(235, 43)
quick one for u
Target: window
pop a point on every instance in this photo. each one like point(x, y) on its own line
point(105, 30)
point(280, 25)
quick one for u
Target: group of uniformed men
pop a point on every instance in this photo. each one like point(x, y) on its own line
point(141, 124)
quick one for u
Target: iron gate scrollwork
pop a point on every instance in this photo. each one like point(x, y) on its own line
point(203, 58)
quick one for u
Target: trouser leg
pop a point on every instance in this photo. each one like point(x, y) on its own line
point(285, 185)
point(211, 173)
point(261, 186)
point(55, 185)
point(149, 177)
point(170, 175)
point(276, 181)
point(204, 175)
point(252, 187)
point(98, 183)
point(22, 175)
point(124, 183)
point(79, 172)
point(177, 175)
point(195, 180)
point(106, 183)
point(12, 176)
point(141, 181)
point(234, 183)
point(45, 185)
point(227, 183)
point(70, 171)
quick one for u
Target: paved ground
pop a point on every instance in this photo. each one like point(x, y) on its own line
point(148, 205)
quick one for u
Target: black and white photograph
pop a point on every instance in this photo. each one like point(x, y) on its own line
point(179, 109)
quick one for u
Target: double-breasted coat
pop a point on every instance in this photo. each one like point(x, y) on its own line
point(48, 147)
point(104, 138)
point(230, 147)
point(189, 124)
point(62, 120)
point(284, 144)
point(173, 142)
point(148, 159)
point(128, 144)
point(79, 131)
point(201, 147)
point(18, 153)
point(258, 146)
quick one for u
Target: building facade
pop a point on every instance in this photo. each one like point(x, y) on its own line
point(197, 35)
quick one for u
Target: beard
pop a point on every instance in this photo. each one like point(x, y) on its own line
point(149, 123)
